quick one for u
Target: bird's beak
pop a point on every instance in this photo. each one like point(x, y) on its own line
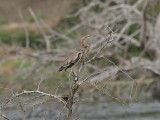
point(92, 35)
point(88, 36)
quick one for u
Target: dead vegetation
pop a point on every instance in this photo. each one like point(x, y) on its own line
point(126, 47)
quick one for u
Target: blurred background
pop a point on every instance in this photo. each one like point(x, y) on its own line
point(36, 36)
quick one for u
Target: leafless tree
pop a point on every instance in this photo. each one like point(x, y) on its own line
point(120, 25)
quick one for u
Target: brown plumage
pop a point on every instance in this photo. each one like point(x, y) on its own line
point(79, 56)
point(83, 41)
point(68, 63)
point(85, 48)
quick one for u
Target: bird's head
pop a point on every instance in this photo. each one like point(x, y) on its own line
point(84, 38)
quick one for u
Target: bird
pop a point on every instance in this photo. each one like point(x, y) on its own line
point(74, 58)
point(69, 62)
point(81, 55)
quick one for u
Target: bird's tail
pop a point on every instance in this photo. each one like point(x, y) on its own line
point(61, 68)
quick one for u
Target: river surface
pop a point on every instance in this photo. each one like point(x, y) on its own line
point(104, 109)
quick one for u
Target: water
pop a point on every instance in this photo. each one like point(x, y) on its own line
point(105, 109)
point(114, 111)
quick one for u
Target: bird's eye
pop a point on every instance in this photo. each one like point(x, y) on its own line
point(79, 54)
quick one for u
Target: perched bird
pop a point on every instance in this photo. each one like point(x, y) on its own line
point(81, 55)
point(68, 63)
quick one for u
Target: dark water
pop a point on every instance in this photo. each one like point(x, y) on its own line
point(105, 109)
point(112, 111)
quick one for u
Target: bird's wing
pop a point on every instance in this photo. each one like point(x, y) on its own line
point(72, 59)
point(67, 61)
point(75, 58)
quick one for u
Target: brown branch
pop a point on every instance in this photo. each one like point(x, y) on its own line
point(4, 116)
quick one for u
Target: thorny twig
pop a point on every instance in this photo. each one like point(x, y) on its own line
point(115, 14)
point(3, 116)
